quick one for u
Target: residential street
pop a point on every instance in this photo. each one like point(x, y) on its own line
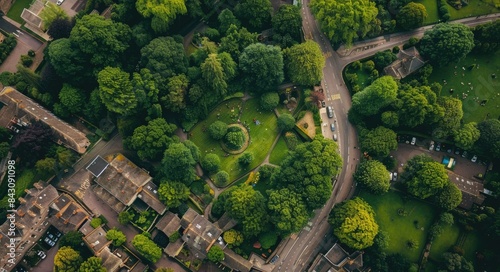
point(301, 249)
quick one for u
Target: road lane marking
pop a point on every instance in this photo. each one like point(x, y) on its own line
point(335, 96)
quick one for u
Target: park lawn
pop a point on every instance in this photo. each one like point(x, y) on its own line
point(279, 152)
point(261, 136)
point(432, 11)
point(444, 242)
point(401, 228)
point(24, 180)
point(475, 8)
point(17, 8)
point(471, 245)
point(484, 86)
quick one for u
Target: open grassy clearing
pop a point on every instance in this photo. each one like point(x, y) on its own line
point(471, 245)
point(432, 11)
point(261, 136)
point(17, 8)
point(279, 152)
point(402, 228)
point(475, 8)
point(482, 86)
point(444, 242)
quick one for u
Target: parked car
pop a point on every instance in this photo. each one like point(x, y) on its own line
point(59, 2)
point(431, 147)
point(438, 147)
point(457, 151)
point(41, 254)
point(323, 104)
point(335, 137)
point(464, 155)
point(474, 158)
point(413, 141)
point(394, 176)
point(332, 127)
point(329, 111)
point(275, 258)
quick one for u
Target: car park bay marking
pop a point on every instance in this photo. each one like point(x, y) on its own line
point(335, 96)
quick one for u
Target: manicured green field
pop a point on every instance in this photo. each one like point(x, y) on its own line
point(471, 245)
point(261, 136)
point(399, 227)
point(279, 152)
point(17, 8)
point(482, 85)
point(432, 11)
point(444, 242)
point(475, 8)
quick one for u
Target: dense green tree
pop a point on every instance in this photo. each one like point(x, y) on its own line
point(50, 13)
point(453, 114)
point(71, 239)
point(178, 156)
point(125, 217)
point(46, 165)
point(4, 150)
point(213, 75)
point(411, 16)
point(455, 262)
point(177, 89)
point(353, 222)
point(116, 236)
point(373, 175)
point(92, 264)
point(217, 130)
point(245, 159)
point(195, 151)
point(268, 239)
point(161, 12)
point(489, 139)
point(356, 15)
point(116, 90)
point(466, 136)
point(269, 101)
point(233, 237)
point(67, 260)
point(221, 178)
point(449, 197)
point(398, 263)
point(226, 18)
point(286, 122)
point(308, 171)
point(147, 248)
point(234, 139)
point(215, 254)
point(72, 99)
point(256, 13)
point(248, 207)
point(379, 142)
point(173, 193)
point(262, 66)
point(383, 59)
point(236, 40)
point(164, 57)
point(152, 139)
point(94, 109)
point(210, 163)
point(101, 40)
point(381, 93)
point(390, 119)
point(413, 107)
point(60, 28)
point(304, 63)
point(146, 90)
point(446, 43)
point(424, 177)
point(67, 61)
point(287, 210)
point(287, 24)
point(487, 36)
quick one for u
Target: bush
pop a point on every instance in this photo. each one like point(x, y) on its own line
point(210, 163)
point(7, 46)
point(395, 49)
point(269, 101)
point(268, 239)
point(217, 130)
point(31, 53)
point(266, 171)
point(26, 60)
point(96, 222)
point(174, 237)
point(286, 122)
point(221, 178)
point(369, 65)
point(235, 138)
point(245, 159)
point(291, 140)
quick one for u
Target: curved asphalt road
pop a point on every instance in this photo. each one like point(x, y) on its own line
point(299, 250)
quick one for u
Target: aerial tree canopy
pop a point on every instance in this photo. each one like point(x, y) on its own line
point(92, 264)
point(353, 222)
point(424, 177)
point(379, 142)
point(215, 254)
point(147, 248)
point(152, 139)
point(288, 211)
point(382, 92)
point(411, 16)
point(446, 43)
point(489, 139)
point(226, 18)
point(164, 57)
point(304, 63)
point(173, 194)
point(373, 175)
point(342, 20)
point(115, 90)
point(161, 12)
point(286, 121)
point(262, 66)
point(287, 24)
point(236, 39)
point(254, 13)
point(67, 260)
point(467, 135)
point(50, 13)
point(178, 156)
point(449, 197)
point(249, 207)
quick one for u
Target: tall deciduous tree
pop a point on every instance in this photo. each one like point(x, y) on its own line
point(489, 140)
point(467, 135)
point(455, 262)
point(211, 163)
point(446, 43)
point(161, 12)
point(147, 248)
point(236, 40)
point(453, 113)
point(178, 163)
point(342, 20)
point(287, 24)
point(262, 66)
point(116, 236)
point(379, 142)
point(151, 140)
point(288, 211)
point(60, 28)
point(177, 89)
point(247, 206)
point(226, 19)
point(213, 75)
point(233, 237)
point(256, 13)
point(50, 13)
point(67, 60)
point(286, 121)
point(353, 222)
point(217, 130)
point(92, 264)
point(215, 254)
point(378, 95)
point(373, 175)
point(67, 260)
point(411, 16)
point(304, 63)
point(72, 99)
point(449, 197)
point(164, 57)
point(269, 101)
point(116, 90)
point(173, 193)
point(424, 177)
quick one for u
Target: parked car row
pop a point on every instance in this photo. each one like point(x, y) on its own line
point(52, 237)
point(436, 146)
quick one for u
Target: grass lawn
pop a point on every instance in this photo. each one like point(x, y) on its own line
point(471, 245)
point(261, 136)
point(475, 8)
point(24, 180)
point(432, 11)
point(363, 76)
point(402, 228)
point(484, 86)
point(279, 152)
point(444, 242)
point(17, 8)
